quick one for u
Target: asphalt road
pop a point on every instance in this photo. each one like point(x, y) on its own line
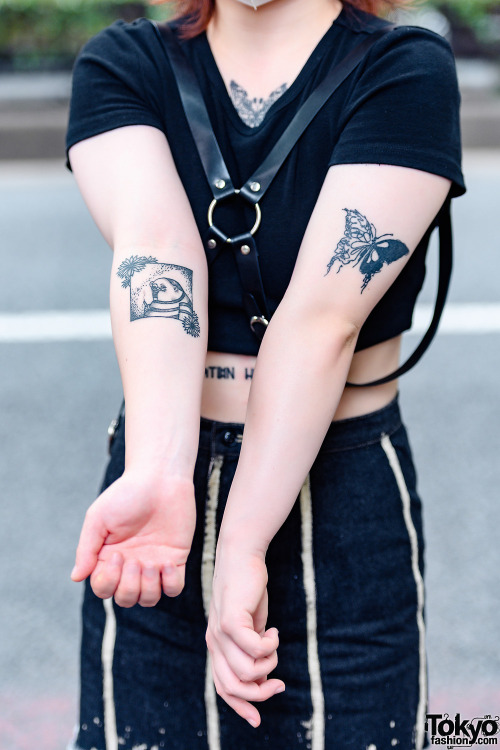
point(57, 398)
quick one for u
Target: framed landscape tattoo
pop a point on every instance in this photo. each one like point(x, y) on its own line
point(159, 290)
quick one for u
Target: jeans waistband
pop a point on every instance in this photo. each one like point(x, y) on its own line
point(343, 434)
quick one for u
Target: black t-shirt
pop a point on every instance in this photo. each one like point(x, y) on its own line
point(400, 107)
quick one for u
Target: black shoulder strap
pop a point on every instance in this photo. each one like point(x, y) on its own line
point(445, 268)
point(255, 187)
point(197, 115)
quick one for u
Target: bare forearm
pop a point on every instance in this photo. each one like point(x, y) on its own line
point(299, 378)
point(161, 358)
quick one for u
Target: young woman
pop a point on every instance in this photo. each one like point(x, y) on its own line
point(308, 522)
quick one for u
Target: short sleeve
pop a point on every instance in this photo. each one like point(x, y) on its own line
point(114, 83)
point(404, 107)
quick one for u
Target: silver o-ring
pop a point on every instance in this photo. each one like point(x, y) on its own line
point(211, 208)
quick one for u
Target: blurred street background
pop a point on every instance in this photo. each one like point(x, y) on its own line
point(60, 387)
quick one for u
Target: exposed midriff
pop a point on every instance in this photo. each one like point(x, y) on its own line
point(228, 378)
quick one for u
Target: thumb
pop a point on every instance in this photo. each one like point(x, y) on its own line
point(92, 538)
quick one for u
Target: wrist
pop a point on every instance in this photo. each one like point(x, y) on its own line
point(159, 481)
point(163, 456)
point(162, 439)
point(236, 541)
point(160, 467)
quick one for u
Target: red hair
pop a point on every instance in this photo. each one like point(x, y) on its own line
point(200, 11)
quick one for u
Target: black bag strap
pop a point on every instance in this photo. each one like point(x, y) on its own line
point(445, 268)
point(222, 187)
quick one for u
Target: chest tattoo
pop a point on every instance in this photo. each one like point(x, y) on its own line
point(253, 111)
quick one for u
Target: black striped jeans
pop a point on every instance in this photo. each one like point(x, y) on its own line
point(346, 592)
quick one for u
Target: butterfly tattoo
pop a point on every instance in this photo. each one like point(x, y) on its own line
point(361, 247)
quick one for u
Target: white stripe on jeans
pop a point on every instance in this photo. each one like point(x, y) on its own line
point(419, 583)
point(207, 574)
point(107, 653)
point(316, 725)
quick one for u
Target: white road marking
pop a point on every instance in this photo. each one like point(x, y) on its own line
point(94, 325)
point(55, 325)
point(45, 173)
point(460, 318)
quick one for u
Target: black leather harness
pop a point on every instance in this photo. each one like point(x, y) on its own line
point(243, 245)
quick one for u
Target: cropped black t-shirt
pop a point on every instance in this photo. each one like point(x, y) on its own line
point(400, 107)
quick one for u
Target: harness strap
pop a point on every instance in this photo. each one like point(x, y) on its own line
point(196, 114)
point(221, 185)
point(210, 154)
point(336, 75)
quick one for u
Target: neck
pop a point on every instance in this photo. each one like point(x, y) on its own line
point(284, 25)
